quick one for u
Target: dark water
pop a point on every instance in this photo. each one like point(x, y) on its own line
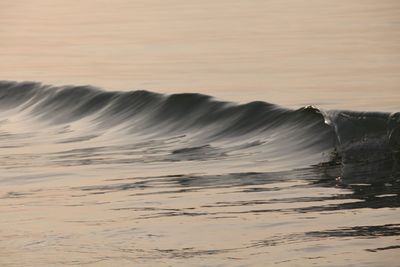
point(138, 178)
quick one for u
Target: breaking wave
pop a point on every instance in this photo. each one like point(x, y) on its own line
point(207, 129)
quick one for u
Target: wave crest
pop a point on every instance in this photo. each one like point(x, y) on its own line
point(358, 139)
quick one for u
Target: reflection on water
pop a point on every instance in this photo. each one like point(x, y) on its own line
point(100, 178)
point(301, 217)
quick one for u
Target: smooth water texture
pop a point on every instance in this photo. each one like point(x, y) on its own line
point(148, 170)
point(335, 54)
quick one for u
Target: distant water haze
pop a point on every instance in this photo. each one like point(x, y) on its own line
point(334, 54)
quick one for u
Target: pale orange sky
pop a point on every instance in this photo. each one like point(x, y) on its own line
point(337, 54)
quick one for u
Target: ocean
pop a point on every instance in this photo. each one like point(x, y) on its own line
point(102, 177)
point(199, 133)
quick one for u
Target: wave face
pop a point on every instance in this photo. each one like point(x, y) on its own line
point(86, 125)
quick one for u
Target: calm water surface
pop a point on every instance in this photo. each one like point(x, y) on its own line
point(335, 54)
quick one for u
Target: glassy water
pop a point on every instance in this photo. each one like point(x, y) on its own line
point(334, 54)
point(160, 174)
